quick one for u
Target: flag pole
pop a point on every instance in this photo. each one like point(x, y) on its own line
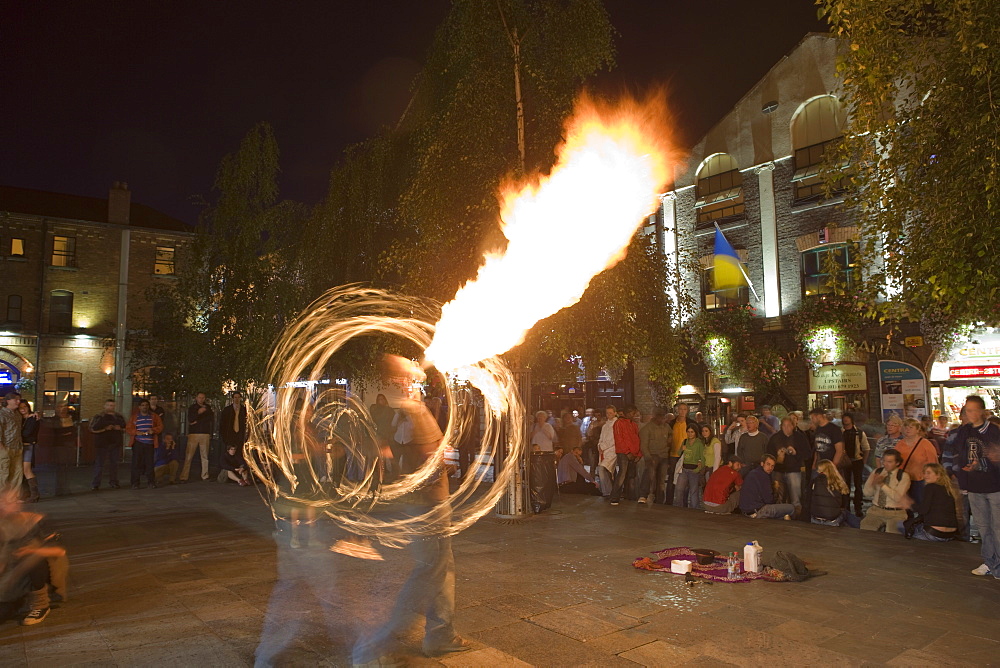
point(740, 263)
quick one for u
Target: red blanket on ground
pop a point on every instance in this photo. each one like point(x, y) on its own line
point(716, 571)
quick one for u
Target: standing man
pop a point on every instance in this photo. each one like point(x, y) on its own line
point(655, 440)
point(790, 448)
point(200, 422)
point(11, 446)
point(144, 427)
point(233, 424)
point(770, 419)
point(107, 428)
point(588, 417)
point(734, 431)
point(829, 439)
point(678, 429)
point(627, 450)
point(607, 455)
point(752, 445)
point(978, 445)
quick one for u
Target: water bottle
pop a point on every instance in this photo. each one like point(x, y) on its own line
point(752, 554)
point(733, 566)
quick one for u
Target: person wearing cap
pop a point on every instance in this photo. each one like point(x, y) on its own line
point(722, 493)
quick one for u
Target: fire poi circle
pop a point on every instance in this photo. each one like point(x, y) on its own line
point(605, 181)
point(280, 435)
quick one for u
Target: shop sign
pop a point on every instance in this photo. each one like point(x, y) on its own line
point(839, 378)
point(904, 389)
point(974, 371)
point(986, 345)
point(913, 341)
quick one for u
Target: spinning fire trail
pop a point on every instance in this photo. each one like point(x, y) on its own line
point(609, 170)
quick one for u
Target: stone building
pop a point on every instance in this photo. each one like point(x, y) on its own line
point(74, 272)
point(755, 176)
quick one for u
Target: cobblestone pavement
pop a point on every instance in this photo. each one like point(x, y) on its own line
point(183, 576)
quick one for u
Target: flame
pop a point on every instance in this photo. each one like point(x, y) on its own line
point(562, 229)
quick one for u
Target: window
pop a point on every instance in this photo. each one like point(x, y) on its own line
point(60, 312)
point(17, 247)
point(825, 267)
point(63, 251)
point(713, 299)
point(719, 189)
point(816, 130)
point(164, 261)
point(14, 308)
point(62, 387)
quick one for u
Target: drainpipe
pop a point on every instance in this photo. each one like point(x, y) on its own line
point(39, 375)
point(120, 329)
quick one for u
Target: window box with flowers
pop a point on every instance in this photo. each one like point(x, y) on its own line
point(724, 339)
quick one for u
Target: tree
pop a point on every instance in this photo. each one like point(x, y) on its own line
point(921, 82)
point(240, 286)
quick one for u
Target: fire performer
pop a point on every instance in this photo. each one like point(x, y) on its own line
point(429, 591)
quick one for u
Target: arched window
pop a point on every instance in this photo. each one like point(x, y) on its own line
point(60, 312)
point(62, 387)
point(719, 189)
point(816, 126)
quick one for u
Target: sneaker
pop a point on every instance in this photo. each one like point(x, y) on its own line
point(752, 516)
point(135, 486)
point(982, 569)
point(642, 500)
point(35, 616)
point(457, 644)
point(614, 503)
point(787, 517)
point(115, 485)
point(94, 488)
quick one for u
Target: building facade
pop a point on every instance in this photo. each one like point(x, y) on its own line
point(74, 273)
point(756, 177)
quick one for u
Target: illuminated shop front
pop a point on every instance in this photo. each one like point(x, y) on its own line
point(841, 387)
point(973, 368)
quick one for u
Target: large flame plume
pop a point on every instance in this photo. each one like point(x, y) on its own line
point(562, 229)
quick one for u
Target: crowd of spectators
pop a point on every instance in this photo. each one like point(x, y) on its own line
point(923, 479)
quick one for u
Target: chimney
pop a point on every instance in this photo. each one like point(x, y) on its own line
point(119, 203)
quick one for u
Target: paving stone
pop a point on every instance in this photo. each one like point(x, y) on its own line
point(484, 657)
point(659, 653)
point(200, 650)
point(584, 621)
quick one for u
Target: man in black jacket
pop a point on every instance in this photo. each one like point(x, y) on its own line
point(233, 424)
point(201, 420)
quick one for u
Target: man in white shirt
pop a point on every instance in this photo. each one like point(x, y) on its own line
point(887, 486)
point(606, 447)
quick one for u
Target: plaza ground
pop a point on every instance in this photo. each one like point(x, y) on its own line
point(183, 576)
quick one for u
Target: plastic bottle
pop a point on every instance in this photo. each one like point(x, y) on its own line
point(752, 555)
point(733, 566)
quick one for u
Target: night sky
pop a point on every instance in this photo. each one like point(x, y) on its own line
point(155, 94)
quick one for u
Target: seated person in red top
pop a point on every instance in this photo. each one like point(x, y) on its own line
point(722, 493)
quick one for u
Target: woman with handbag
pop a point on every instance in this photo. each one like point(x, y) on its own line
point(935, 515)
point(917, 452)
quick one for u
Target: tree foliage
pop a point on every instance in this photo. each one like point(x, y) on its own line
point(240, 284)
point(921, 80)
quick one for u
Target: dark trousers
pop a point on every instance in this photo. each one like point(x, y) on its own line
point(579, 486)
point(113, 455)
point(669, 487)
point(625, 465)
point(856, 471)
point(142, 462)
point(653, 478)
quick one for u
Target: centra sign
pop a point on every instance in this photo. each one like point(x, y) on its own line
point(839, 378)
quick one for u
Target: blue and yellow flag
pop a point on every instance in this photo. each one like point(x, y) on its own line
point(728, 268)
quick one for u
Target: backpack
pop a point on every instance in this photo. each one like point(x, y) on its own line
point(791, 568)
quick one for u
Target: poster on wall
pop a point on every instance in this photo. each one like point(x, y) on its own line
point(904, 390)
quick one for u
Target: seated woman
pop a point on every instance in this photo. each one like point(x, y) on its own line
point(830, 496)
point(935, 514)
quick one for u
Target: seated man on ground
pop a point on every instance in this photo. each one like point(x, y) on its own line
point(27, 556)
point(233, 467)
point(887, 486)
point(573, 478)
point(722, 493)
point(165, 464)
point(757, 494)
